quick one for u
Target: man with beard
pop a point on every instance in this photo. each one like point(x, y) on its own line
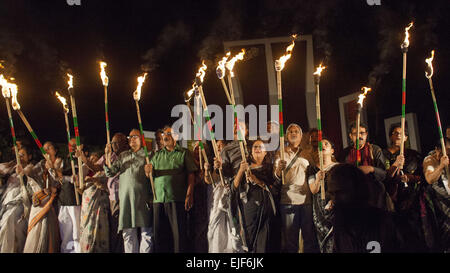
point(409, 194)
point(371, 163)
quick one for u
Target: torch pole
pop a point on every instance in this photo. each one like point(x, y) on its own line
point(147, 159)
point(211, 131)
point(33, 134)
point(201, 146)
point(319, 128)
point(108, 137)
point(25, 198)
point(358, 129)
point(77, 137)
point(402, 142)
point(438, 119)
point(227, 93)
point(280, 112)
point(242, 141)
point(72, 163)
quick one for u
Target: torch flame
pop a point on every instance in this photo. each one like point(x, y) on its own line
point(430, 65)
point(319, 70)
point(363, 96)
point(220, 70)
point(201, 72)
point(5, 87)
point(189, 93)
point(230, 64)
point(406, 41)
point(14, 102)
point(70, 81)
point(137, 93)
point(279, 64)
point(63, 101)
point(103, 73)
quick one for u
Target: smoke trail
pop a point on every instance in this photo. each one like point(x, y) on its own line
point(172, 35)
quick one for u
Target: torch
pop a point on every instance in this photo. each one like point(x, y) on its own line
point(202, 152)
point(220, 71)
point(279, 65)
point(358, 122)
point(319, 126)
point(66, 118)
point(199, 81)
point(404, 48)
point(137, 97)
point(75, 125)
point(438, 119)
point(6, 91)
point(230, 66)
point(105, 85)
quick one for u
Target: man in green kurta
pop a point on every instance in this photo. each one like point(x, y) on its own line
point(134, 195)
point(173, 170)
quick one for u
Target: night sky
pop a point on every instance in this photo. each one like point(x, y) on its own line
point(359, 44)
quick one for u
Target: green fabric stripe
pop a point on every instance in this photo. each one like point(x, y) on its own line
point(319, 124)
point(75, 121)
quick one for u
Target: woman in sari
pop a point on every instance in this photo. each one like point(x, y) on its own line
point(14, 209)
point(94, 224)
point(322, 209)
point(43, 231)
point(255, 198)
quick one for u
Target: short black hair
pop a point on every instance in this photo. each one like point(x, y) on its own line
point(395, 126)
point(353, 125)
point(28, 149)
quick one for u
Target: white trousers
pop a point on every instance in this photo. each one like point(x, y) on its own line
point(69, 228)
point(131, 241)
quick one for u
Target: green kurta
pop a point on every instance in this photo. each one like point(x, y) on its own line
point(134, 189)
point(170, 171)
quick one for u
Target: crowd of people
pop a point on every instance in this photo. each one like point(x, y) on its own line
point(176, 201)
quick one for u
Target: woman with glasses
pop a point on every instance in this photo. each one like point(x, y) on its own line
point(252, 190)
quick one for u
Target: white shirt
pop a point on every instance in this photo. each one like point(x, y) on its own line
point(291, 191)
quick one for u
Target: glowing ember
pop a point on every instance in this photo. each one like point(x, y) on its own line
point(63, 101)
point(103, 73)
point(201, 72)
point(279, 64)
point(319, 70)
point(230, 64)
point(70, 81)
point(220, 70)
point(430, 65)
point(137, 93)
point(406, 41)
point(363, 96)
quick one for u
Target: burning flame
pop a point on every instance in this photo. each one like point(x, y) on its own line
point(5, 87)
point(137, 93)
point(430, 65)
point(189, 93)
point(220, 70)
point(319, 70)
point(363, 96)
point(279, 64)
point(230, 64)
point(406, 41)
point(201, 72)
point(14, 102)
point(103, 73)
point(70, 81)
point(63, 101)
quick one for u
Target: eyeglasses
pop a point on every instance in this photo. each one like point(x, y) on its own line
point(166, 134)
point(131, 137)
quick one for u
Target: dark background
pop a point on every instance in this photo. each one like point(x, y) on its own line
point(359, 44)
